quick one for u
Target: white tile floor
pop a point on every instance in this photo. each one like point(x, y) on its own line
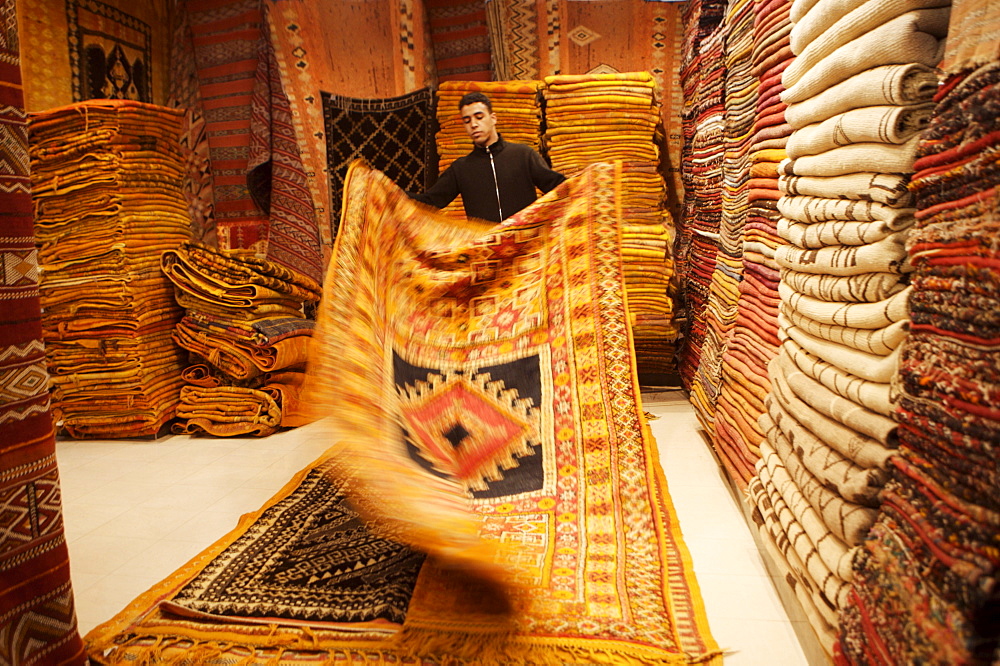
point(135, 511)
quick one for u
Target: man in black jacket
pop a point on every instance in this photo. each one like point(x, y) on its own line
point(498, 178)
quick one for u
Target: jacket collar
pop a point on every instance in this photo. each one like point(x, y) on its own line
point(495, 147)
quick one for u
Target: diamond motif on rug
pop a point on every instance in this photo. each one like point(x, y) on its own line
point(582, 35)
point(480, 427)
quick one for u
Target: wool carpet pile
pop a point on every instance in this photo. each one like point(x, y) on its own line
point(703, 75)
point(616, 116)
point(460, 37)
point(842, 314)
point(740, 105)
point(754, 338)
point(504, 501)
point(37, 614)
point(106, 180)
point(925, 585)
point(247, 333)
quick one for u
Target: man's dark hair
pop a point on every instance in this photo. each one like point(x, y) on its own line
point(472, 98)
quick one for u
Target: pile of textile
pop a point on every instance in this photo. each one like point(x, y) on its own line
point(518, 107)
point(600, 117)
point(754, 340)
point(703, 74)
point(926, 583)
point(246, 328)
point(740, 103)
point(106, 182)
point(856, 94)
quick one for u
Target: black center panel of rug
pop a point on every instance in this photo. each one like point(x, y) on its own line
point(516, 381)
point(309, 557)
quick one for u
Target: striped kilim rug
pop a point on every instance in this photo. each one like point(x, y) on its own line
point(505, 501)
point(37, 616)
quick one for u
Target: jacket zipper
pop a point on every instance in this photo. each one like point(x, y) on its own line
point(496, 182)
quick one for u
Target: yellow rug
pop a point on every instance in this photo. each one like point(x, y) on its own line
point(492, 493)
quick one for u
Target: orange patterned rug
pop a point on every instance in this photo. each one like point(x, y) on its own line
point(492, 493)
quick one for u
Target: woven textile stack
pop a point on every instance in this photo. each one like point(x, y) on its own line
point(106, 182)
point(754, 341)
point(518, 106)
point(926, 582)
point(703, 122)
point(740, 102)
point(246, 329)
point(856, 94)
point(603, 117)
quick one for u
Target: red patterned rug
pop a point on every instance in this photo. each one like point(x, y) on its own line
point(37, 616)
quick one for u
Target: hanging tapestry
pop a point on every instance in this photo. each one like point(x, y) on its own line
point(514, 39)
point(184, 94)
point(110, 53)
point(275, 173)
point(461, 40)
point(37, 616)
point(226, 38)
point(485, 411)
point(394, 135)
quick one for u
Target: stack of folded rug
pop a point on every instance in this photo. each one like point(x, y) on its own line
point(926, 583)
point(740, 102)
point(856, 94)
point(703, 74)
point(246, 328)
point(602, 117)
point(106, 181)
point(518, 106)
point(754, 340)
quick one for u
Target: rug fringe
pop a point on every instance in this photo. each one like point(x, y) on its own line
point(419, 646)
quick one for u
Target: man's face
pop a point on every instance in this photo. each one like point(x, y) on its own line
point(480, 123)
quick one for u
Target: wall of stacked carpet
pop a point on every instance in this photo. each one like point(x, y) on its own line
point(820, 347)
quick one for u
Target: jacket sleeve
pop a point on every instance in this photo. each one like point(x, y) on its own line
point(542, 176)
point(442, 192)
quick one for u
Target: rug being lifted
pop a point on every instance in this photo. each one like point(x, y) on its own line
point(482, 402)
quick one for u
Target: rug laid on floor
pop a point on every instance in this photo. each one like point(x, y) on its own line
point(37, 615)
point(491, 359)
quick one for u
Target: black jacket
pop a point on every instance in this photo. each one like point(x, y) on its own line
point(519, 170)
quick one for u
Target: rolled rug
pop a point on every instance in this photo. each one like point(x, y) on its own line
point(873, 395)
point(837, 232)
point(914, 37)
point(885, 188)
point(872, 367)
point(885, 256)
point(855, 158)
point(855, 483)
point(862, 288)
point(870, 124)
point(879, 341)
point(860, 20)
point(910, 83)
